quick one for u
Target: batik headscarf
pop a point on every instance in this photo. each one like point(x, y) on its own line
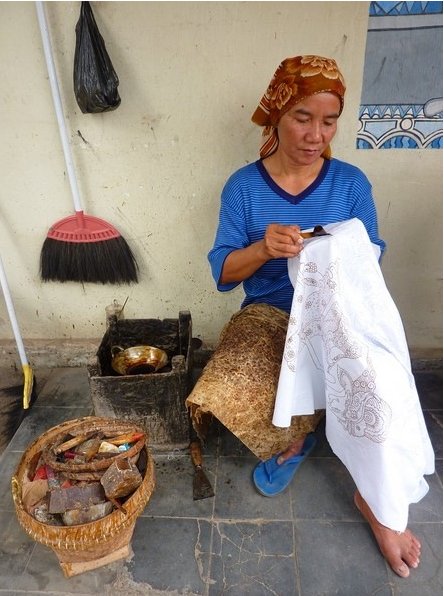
point(294, 80)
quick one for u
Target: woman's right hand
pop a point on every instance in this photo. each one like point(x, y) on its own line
point(279, 242)
point(282, 242)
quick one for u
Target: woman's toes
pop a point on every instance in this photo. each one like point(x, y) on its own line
point(412, 559)
point(414, 550)
point(401, 569)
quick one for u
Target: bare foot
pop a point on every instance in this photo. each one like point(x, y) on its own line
point(293, 449)
point(401, 551)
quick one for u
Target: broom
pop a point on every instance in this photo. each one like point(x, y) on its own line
point(80, 247)
point(28, 374)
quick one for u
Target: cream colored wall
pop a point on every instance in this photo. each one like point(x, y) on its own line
point(191, 74)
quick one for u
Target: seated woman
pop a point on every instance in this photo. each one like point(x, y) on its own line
point(296, 185)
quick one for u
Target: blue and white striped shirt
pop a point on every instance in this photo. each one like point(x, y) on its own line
point(251, 200)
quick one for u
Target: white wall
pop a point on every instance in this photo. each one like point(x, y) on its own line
point(191, 74)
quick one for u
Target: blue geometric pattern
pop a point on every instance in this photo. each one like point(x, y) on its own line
point(384, 124)
point(399, 127)
point(383, 9)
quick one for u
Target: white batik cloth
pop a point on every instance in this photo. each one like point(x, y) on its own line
point(346, 352)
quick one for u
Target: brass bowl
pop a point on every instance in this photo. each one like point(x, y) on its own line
point(138, 360)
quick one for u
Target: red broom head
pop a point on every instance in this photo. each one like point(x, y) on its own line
point(82, 228)
point(85, 249)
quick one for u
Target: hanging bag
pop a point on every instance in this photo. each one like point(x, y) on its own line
point(95, 80)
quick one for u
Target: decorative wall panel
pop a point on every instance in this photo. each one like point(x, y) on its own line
point(401, 103)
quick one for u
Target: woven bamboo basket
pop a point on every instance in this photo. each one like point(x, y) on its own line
point(86, 546)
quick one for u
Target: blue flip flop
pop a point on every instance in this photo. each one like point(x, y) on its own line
point(270, 478)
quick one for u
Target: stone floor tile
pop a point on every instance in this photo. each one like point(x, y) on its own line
point(253, 559)
point(8, 466)
point(237, 498)
point(65, 387)
point(44, 573)
point(339, 558)
point(171, 554)
point(323, 489)
point(15, 549)
point(173, 493)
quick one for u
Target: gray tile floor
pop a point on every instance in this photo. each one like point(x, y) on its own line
point(309, 541)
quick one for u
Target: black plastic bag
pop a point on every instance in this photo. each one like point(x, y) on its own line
point(95, 80)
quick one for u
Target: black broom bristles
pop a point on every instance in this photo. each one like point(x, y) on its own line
point(106, 261)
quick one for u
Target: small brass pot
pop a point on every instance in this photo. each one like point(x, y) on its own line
point(138, 360)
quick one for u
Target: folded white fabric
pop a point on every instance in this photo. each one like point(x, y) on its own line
point(346, 352)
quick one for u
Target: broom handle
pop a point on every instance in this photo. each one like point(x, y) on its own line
point(58, 106)
point(12, 317)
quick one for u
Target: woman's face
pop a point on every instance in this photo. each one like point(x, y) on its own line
point(308, 127)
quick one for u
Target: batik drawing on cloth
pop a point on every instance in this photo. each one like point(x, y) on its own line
point(353, 400)
point(345, 351)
